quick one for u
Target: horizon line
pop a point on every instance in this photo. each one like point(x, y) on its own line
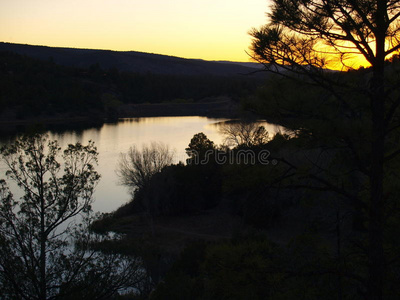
point(112, 50)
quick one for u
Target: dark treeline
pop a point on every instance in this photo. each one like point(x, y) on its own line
point(304, 215)
point(33, 87)
point(213, 174)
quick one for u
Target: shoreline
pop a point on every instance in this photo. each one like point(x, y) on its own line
point(219, 109)
point(223, 107)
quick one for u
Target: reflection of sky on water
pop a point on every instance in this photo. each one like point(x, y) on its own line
point(112, 139)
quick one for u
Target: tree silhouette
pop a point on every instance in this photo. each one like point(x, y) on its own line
point(245, 134)
point(198, 147)
point(136, 167)
point(45, 250)
point(304, 37)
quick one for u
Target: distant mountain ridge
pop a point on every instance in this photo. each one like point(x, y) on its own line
point(132, 61)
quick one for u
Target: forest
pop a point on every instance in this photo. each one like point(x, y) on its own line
point(32, 88)
point(295, 203)
point(299, 217)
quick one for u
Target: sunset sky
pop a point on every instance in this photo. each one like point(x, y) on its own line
point(206, 29)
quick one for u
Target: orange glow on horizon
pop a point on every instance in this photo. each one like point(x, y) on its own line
point(208, 29)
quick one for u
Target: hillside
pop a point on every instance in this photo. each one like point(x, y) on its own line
point(35, 89)
point(131, 61)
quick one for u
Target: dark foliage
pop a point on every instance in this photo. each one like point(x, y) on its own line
point(33, 87)
point(253, 268)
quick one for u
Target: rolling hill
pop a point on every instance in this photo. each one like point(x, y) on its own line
point(131, 61)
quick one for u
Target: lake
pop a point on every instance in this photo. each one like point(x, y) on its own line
point(112, 139)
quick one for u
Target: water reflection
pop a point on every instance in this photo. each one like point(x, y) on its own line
point(112, 139)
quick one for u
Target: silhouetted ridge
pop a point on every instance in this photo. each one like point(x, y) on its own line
point(131, 61)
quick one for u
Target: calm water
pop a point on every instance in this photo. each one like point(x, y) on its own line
point(113, 139)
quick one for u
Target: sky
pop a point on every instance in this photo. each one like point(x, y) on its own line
point(202, 29)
